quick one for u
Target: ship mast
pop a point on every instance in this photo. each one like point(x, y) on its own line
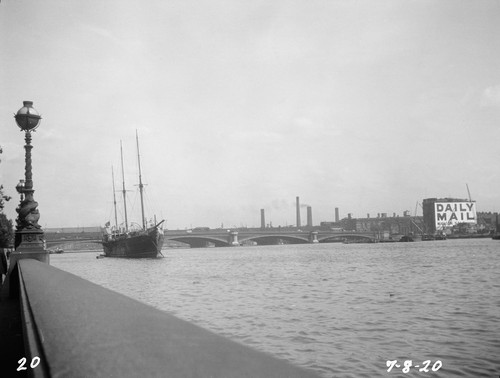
point(123, 190)
point(141, 186)
point(114, 199)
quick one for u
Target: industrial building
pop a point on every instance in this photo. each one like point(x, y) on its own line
point(451, 216)
point(386, 226)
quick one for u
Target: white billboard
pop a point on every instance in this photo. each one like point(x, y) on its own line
point(449, 214)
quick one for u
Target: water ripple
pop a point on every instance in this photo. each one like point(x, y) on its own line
point(341, 310)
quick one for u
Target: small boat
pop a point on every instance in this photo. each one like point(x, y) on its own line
point(441, 236)
point(139, 242)
point(57, 250)
point(426, 237)
point(406, 238)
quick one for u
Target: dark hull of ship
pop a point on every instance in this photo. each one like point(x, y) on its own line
point(146, 244)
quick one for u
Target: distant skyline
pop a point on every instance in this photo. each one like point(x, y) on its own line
point(368, 106)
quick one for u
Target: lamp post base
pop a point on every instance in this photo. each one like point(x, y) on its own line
point(32, 246)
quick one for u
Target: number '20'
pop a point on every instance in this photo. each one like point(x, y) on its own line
point(34, 363)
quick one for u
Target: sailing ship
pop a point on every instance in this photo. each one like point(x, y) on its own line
point(129, 241)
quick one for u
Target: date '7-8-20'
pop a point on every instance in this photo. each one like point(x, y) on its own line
point(408, 364)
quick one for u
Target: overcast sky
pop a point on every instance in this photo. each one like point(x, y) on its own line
point(368, 106)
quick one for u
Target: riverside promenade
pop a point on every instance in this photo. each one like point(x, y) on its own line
point(11, 334)
point(71, 327)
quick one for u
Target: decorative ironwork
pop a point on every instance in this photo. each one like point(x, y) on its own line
point(28, 119)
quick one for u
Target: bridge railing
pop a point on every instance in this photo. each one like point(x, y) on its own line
point(79, 329)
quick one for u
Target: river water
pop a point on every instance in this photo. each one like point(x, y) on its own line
point(342, 310)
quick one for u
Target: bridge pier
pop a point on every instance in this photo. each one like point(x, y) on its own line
point(313, 237)
point(233, 238)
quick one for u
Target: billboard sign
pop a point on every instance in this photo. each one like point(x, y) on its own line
point(449, 214)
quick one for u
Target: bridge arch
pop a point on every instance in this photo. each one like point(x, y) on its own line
point(195, 241)
point(273, 239)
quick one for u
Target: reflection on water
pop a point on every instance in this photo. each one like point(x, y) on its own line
point(343, 310)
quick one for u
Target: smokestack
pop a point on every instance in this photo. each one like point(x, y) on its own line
point(309, 216)
point(262, 219)
point(298, 212)
point(337, 218)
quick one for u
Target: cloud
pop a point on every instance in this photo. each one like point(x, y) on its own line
point(491, 97)
point(52, 133)
point(12, 151)
point(255, 136)
point(280, 204)
point(104, 33)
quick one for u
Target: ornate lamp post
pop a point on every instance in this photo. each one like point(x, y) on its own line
point(29, 240)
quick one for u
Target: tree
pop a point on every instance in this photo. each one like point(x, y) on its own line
point(6, 229)
point(6, 232)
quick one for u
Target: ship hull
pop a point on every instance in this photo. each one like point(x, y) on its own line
point(142, 244)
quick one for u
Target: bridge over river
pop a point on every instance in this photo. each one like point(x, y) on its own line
point(222, 237)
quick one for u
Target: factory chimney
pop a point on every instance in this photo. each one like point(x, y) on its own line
point(298, 212)
point(262, 219)
point(309, 217)
point(337, 218)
